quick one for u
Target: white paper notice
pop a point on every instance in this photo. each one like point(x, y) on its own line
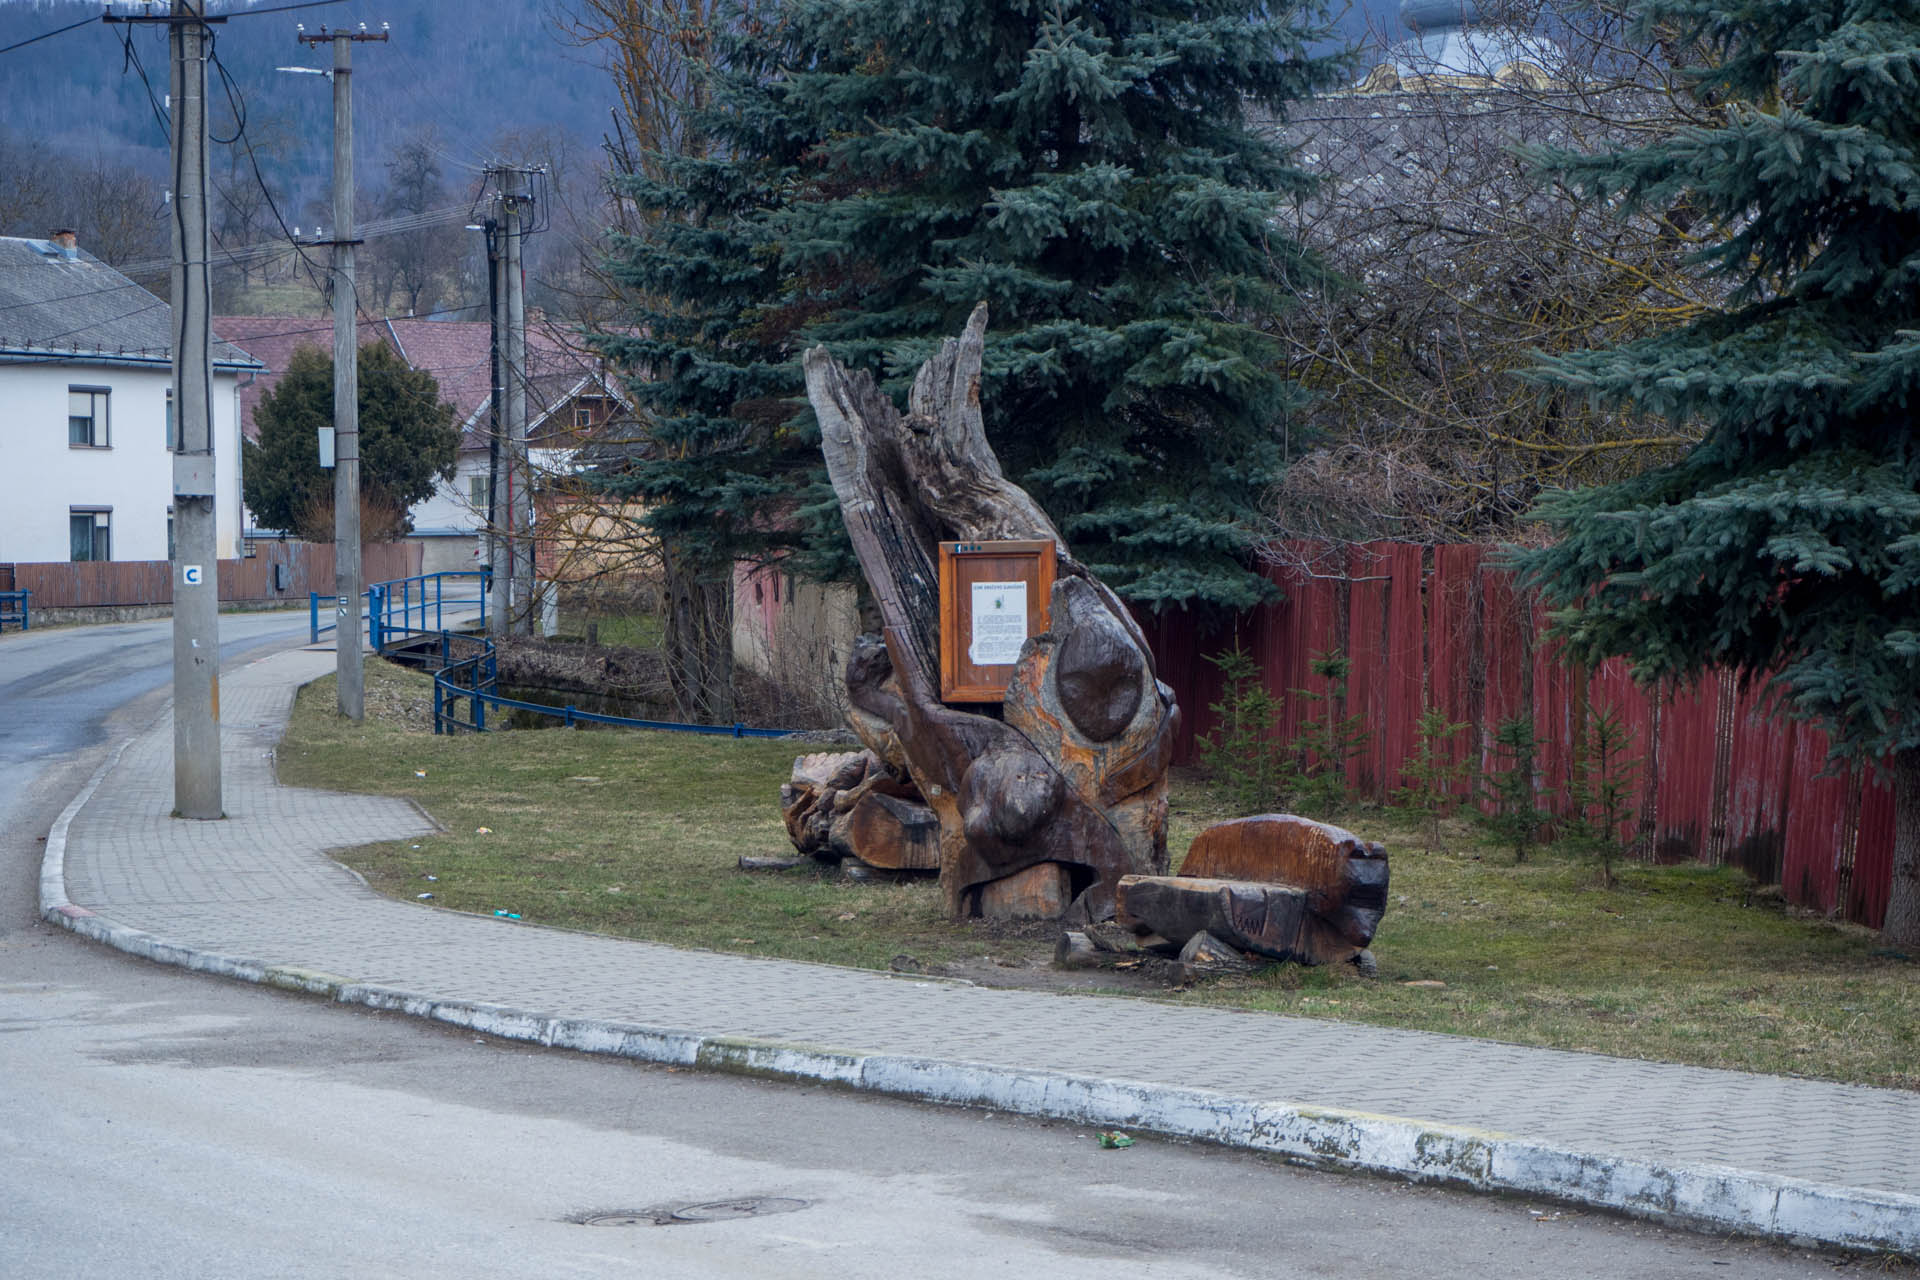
point(999, 623)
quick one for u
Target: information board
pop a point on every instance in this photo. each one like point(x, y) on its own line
point(993, 596)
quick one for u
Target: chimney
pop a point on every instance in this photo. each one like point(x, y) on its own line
point(67, 241)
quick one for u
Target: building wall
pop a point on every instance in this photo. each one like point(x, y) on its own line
point(448, 525)
point(45, 476)
point(450, 508)
point(796, 633)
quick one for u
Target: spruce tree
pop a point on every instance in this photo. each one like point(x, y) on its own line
point(877, 167)
point(718, 465)
point(1786, 545)
point(1088, 170)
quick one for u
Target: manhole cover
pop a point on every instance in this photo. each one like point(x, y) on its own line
point(707, 1211)
point(723, 1210)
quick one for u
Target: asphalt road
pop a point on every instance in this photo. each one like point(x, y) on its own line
point(58, 686)
point(163, 1124)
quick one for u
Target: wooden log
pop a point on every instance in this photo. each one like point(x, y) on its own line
point(1205, 956)
point(1109, 935)
point(1074, 773)
point(1040, 892)
point(807, 797)
point(1345, 877)
point(887, 831)
point(849, 805)
point(1271, 920)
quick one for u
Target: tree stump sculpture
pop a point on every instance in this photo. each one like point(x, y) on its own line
point(1047, 804)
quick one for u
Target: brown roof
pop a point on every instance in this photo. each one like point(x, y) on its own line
point(458, 353)
point(272, 340)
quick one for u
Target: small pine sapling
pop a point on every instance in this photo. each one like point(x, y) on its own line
point(1604, 784)
point(1238, 753)
point(1328, 740)
point(1432, 774)
point(1517, 817)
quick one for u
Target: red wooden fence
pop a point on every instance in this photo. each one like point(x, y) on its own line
point(309, 566)
point(1725, 777)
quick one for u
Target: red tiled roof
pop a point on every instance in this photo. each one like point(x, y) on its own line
point(458, 353)
point(272, 340)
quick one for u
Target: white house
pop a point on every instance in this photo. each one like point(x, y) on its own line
point(86, 412)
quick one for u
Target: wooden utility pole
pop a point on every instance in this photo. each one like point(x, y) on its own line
point(347, 575)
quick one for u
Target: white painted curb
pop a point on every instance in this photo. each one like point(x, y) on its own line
point(1702, 1196)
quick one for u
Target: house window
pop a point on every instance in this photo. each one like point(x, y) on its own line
point(173, 441)
point(477, 493)
point(90, 532)
point(585, 411)
point(87, 418)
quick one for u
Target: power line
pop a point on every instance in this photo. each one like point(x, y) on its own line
point(236, 101)
point(48, 35)
point(131, 58)
point(284, 8)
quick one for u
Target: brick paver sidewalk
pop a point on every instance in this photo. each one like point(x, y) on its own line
point(260, 886)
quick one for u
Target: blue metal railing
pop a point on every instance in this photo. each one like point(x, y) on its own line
point(473, 680)
point(402, 607)
point(473, 683)
point(13, 608)
point(399, 611)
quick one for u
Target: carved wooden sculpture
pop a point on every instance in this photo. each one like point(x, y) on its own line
point(1276, 886)
point(851, 805)
point(1073, 771)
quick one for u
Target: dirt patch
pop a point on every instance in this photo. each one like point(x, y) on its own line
point(1144, 976)
point(633, 674)
point(1020, 956)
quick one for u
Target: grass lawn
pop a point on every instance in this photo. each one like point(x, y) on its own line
point(637, 833)
point(625, 630)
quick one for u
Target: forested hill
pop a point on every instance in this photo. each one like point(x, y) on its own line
point(474, 70)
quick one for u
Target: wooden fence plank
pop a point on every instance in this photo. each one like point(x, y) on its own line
point(1725, 775)
point(127, 583)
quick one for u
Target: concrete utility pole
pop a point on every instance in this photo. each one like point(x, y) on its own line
point(498, 593)
point(520, 482)
point(196, 567)
point(347, 584)
point(510, 515)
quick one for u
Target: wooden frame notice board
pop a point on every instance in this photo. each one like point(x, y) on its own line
point(993, 595)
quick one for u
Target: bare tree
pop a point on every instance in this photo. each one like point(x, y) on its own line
point(26, 194)
point(247, 189)
point(654, 51)
point(119, 211)
point(416, 263)
point(1463, 267)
